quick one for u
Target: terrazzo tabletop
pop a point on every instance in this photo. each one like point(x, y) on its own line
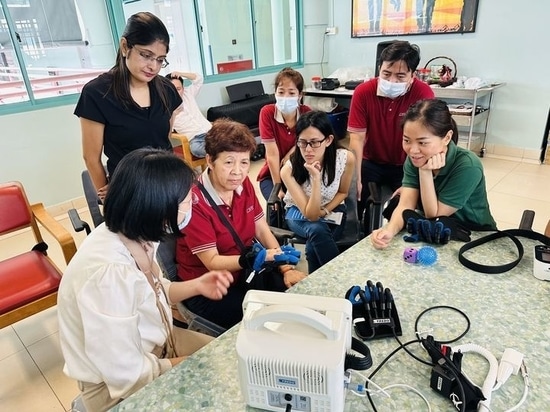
point(505, 310)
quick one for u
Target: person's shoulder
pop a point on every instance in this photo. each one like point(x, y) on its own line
point(422, 89)
point(99, 85)
point(367, 85)
point(268, 108)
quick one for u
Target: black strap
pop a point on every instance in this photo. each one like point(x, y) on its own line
point(222, 217)
point(513, 235)
point(358, 363)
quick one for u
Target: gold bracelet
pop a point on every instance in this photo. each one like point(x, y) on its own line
point(326, 211)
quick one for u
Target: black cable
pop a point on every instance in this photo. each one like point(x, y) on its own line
point(444, 307)
point(375, 371)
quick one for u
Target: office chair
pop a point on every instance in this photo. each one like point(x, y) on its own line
point(184, 151)
point(29, 281)
point(166, 257)
point(352, 232)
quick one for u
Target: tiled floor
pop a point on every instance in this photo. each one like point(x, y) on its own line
point(31, 377)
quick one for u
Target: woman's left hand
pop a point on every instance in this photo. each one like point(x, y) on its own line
point(435, 162)
point(293, 276)
point(214, 284)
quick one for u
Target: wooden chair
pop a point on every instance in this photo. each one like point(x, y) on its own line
point(28, 281)
point(547, 230)
point(184, 151)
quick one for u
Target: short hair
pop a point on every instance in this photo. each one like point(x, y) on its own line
point(401, 50)
point(292, 75)
point(319, 120)
point(434, 115)
point(227, 135)
point(169, 77)
point(144, 193)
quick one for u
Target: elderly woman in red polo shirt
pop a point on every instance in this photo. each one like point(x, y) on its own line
point(224, 187)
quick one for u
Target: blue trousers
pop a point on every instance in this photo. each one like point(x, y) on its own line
point(320, 239)
point(196, 145)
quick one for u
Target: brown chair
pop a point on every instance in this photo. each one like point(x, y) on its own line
point(547, 230)
point(28, 281)
point(184, 151)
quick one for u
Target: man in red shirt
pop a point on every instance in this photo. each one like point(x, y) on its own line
point(377, 108)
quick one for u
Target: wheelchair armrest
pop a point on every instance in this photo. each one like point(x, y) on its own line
point(375, 190)
point(78, 224)
point(274, 198)
point(527, 218)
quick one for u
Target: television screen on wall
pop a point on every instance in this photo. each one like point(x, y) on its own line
point(372, 18)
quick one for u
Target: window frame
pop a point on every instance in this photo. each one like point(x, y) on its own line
point(117, 22)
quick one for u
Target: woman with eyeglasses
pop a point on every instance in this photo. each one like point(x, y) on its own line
point(317, 177)
point(130, 106)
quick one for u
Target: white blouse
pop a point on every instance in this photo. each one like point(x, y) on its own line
point(327, 191)
point(109, 322)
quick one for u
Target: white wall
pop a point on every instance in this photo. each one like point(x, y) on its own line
point(510, 45)
point(42, 148)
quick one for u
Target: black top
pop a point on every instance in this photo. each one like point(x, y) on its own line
point(127, 129)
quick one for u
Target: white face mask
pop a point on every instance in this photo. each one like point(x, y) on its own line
point(186, 219)
point(287, 105)
point(391, 90)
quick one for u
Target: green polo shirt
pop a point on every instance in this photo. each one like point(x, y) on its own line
point(460, 184)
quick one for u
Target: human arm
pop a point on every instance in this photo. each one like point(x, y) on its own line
point(382, 237)
point(185, 75)
point(356, 145)
point(117, 306)
point(92, 148)
point(431, 205)
point(267, 239)
point(273, 159)
point(309, 206)
point(345, 183)
point(212, 284)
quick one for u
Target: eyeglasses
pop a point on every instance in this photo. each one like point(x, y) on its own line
point(148, 57)
point(302, 144)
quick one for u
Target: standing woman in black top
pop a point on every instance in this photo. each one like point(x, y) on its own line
point(130, 106)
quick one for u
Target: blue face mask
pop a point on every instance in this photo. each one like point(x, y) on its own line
point(186, 219)
point(287, 105)
point(390, 89)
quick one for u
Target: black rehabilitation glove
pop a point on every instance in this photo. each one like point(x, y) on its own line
point(438, 230)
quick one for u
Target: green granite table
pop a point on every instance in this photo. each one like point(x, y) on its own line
point(506, 310)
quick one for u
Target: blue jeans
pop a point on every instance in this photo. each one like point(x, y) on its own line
point(320, 238)
point(196, 145)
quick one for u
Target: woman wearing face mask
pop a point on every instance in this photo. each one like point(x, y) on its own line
point(224, 188)
point(440, 178)
point(278, 126)
point(115, 321)
point(317, 177)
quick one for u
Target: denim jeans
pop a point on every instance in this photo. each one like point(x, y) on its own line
point(196, 145)
point(320, 238)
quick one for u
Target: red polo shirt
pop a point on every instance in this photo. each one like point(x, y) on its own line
point(273, 129)
point(381, 117)
point(205, 230)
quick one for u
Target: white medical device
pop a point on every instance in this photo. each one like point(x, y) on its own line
point(291, 350)
point(541, 262)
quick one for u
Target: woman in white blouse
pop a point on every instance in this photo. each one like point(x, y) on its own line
point(317, 178)
point(115, 321)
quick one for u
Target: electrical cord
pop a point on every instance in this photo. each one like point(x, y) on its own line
point(444, 307)
point(323, 54)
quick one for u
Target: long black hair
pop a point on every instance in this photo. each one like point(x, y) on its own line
point(319, 120)
point(142, 29)
point(144, 194)
point(435, 116)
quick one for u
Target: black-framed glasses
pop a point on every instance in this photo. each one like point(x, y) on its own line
point(302, 144)
point(147, 57)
